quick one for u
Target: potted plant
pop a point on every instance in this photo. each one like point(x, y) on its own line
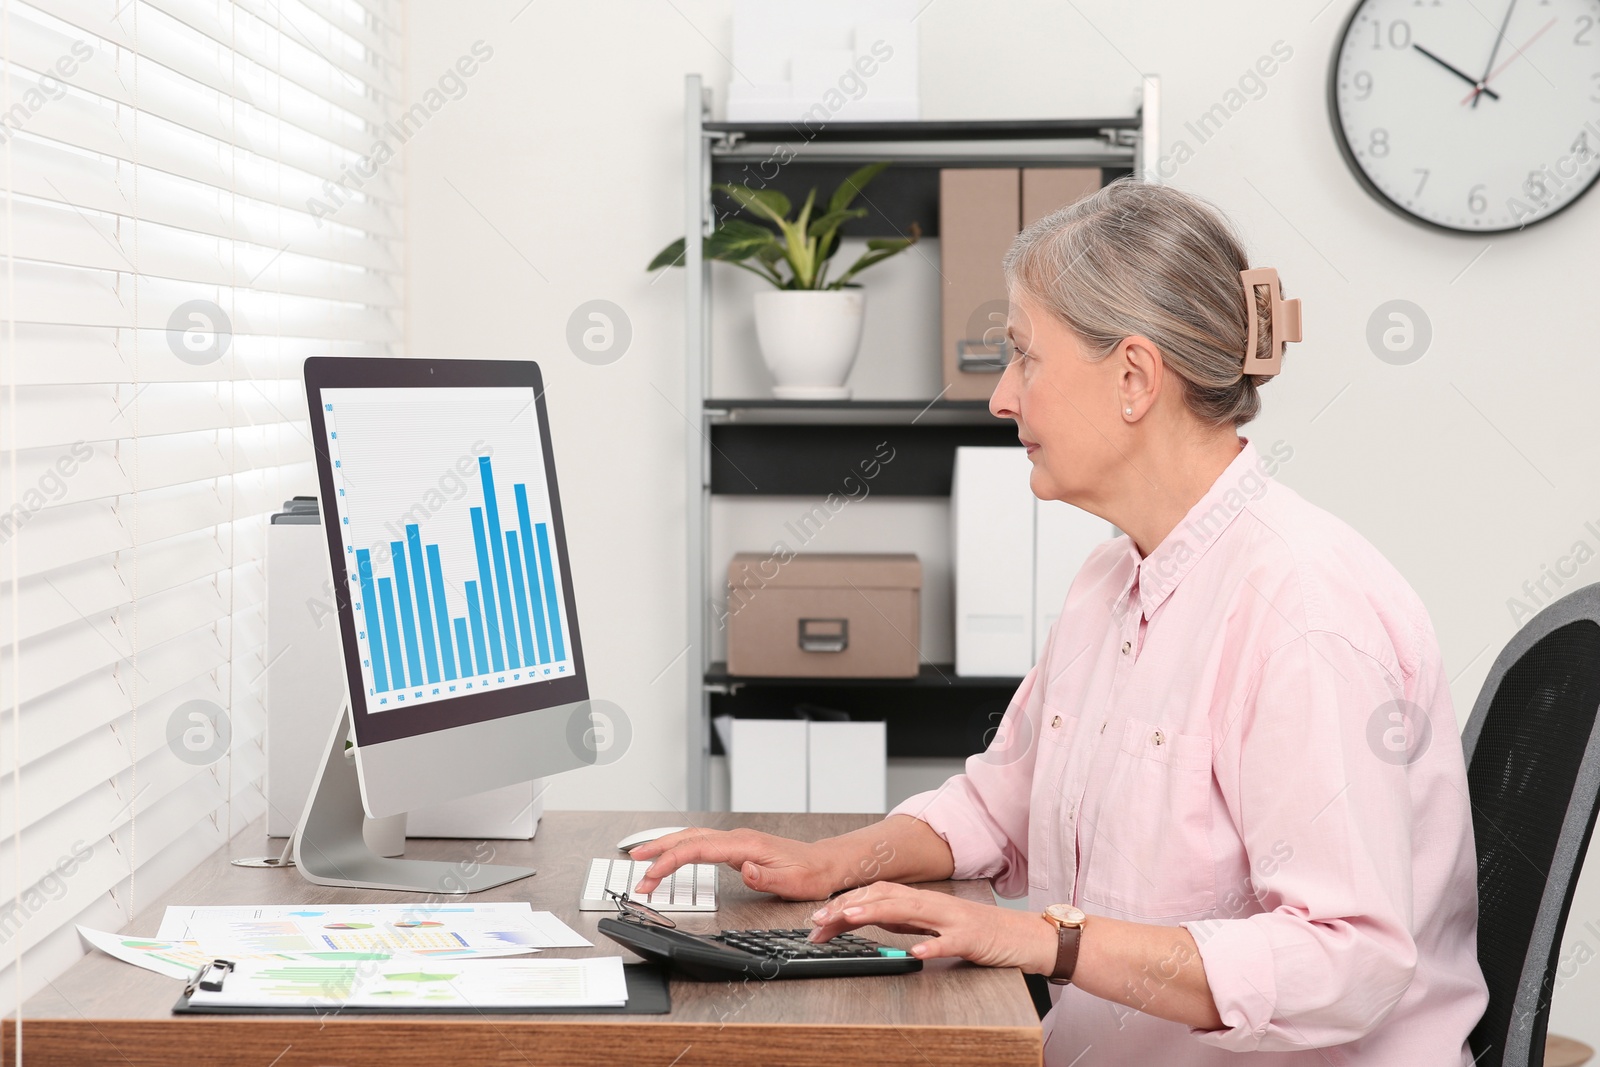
point(809, 327)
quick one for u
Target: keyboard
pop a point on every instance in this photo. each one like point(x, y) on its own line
point(763, 954)
point(692, 887)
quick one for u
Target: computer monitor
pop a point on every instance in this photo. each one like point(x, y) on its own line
point(454, 593)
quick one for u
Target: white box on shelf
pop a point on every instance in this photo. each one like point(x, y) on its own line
point(767, 765)
point(1064, 536)
point(847, 767)
point(846, 61)
point(991, 509)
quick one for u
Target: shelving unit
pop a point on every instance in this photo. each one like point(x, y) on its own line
point(761, 446)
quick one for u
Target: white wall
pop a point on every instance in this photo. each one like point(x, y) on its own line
point(1471, 469)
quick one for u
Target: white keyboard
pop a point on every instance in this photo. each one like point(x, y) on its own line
point(690, 888)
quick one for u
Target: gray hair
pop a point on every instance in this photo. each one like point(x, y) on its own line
point(1135, 258)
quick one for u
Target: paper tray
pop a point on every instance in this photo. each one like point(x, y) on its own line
point(648, 994)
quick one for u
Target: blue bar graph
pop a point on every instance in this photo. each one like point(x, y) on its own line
point(464, 645)
point(477, 627)
point(522, 597)
point(369, 608)
point(492, 512)
point(396, 665)
point(430, 655)
point(512, 615)
point(484, 586)
point(441, 616)
point(408, 619)
point(550, 597)
point(521, 492)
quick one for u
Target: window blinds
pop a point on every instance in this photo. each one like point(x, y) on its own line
point(192, 205)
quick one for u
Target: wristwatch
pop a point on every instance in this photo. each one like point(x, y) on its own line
point(1068, 922)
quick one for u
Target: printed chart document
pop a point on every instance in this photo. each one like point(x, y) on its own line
point(180, 959)
point(413, 984)
point(431, 930)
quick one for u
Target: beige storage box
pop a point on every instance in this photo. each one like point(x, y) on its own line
point(981, 210)
point(824, 615)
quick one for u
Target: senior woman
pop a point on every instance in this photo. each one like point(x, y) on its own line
point(1232, 787)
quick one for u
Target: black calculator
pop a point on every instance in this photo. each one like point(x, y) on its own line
point(762, 954)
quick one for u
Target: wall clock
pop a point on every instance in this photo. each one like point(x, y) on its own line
point(1472, 117)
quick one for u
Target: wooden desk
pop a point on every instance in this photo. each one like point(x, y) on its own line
point(103, 1011)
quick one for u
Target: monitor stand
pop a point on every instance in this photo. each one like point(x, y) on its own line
point(329, 848)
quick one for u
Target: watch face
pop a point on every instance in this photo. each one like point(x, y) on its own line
point(1471, 118)
point(1066, 914)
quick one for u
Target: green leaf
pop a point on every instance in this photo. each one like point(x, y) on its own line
point(737, 239)
point(878, 250)
point(825, 224)
point(854, 184)
point(805, 212)
point(897, 243)
point(670, 256)
point(768, 202)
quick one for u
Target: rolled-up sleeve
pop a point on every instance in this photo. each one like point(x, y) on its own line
point(1306, 767)
point(982, 813)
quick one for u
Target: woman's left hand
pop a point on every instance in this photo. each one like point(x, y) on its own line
point(982, 933)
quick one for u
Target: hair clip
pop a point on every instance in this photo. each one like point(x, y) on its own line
point(1283, 327)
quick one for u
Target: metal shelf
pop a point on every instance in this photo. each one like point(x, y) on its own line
point(942, 675)
point(782, 444)
point(937, 714)
point(794, 459)
point(773, 404)
point(957, 130)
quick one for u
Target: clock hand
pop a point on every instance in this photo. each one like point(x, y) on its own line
point(1484, 85)
point(1494, 51)
point(1458, 72)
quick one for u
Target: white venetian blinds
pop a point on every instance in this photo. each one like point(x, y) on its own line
point(192, 205)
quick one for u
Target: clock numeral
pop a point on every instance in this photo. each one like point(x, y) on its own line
point(1363, 84)
point(1420, 181)
point(1477, 203)
point(1535, 188)
point(1399, 34)
point(1378, 142)
point(1585, 29)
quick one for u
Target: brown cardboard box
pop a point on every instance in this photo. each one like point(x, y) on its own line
point(1044, 189)
point(981, 211)
point(824, 615)
point(978, 213)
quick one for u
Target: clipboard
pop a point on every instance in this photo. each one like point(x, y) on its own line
point(648, 994)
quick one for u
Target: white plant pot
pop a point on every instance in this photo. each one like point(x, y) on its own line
point(809, 339)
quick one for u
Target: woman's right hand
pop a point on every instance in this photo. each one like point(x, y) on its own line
point(793, 870)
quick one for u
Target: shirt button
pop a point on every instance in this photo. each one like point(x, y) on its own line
point(1055, 722)
point(1159, 738)
point(1126, 645)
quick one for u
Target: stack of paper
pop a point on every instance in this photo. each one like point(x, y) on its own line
point(464, 984)
point(342, 934)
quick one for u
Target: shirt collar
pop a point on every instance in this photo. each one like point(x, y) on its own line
point(1240, 484)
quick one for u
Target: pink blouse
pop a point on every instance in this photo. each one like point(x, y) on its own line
point(1247, 733)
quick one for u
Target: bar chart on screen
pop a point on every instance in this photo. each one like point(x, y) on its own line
point(444, 511)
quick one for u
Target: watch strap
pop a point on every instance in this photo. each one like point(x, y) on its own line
point(1067, 938)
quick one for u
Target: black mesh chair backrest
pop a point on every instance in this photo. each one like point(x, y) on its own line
point(1533, 773)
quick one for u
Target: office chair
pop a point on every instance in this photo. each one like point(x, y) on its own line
point(1532, 749)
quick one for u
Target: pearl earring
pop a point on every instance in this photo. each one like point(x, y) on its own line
point(1127, 411)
